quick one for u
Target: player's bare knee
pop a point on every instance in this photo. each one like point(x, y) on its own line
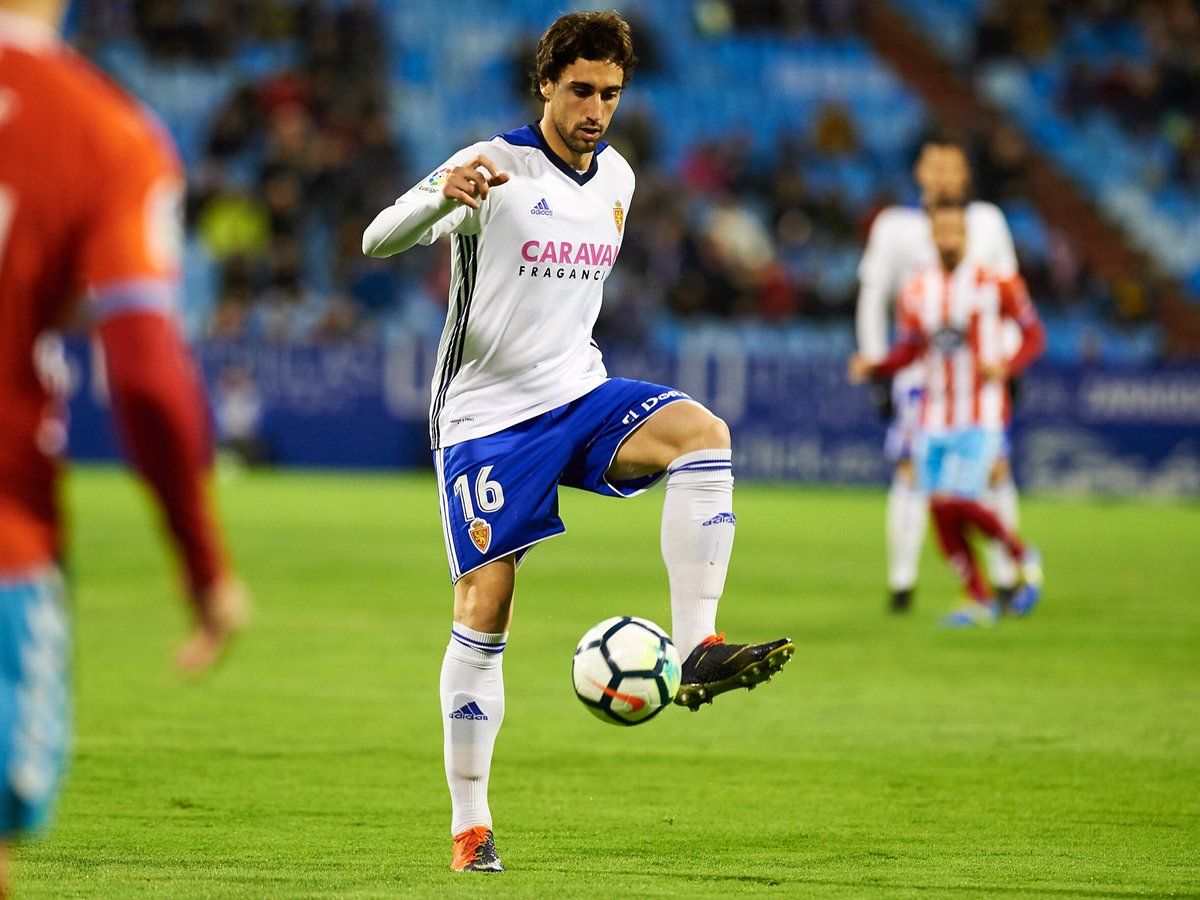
point(906, 472)
point(705, 432)
point(482, 610)
point(718, 435)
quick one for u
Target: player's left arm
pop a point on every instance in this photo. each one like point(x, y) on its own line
point(876, 276)
point(129, 259)
point(907, 349)
point(1016, 304)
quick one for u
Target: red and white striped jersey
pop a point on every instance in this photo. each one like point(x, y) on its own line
point(955, 320)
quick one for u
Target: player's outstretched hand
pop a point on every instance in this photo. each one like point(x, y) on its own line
point(221, 612)
point(859, 369)
point(470, 183)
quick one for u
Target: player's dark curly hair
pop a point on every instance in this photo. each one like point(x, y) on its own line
point(583, 35)
point(940, 136)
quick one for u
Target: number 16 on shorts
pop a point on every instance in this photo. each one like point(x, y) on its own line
point(487, 496)
point(496, 500)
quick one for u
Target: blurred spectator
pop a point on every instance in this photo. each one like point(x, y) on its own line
point(302, 153)
point(1135, 59)
point(235, 224)
point(1001, 163)
point(741, 242)
point(287, 157)
point(834, 132)
point(237, 412)
point(796, 16)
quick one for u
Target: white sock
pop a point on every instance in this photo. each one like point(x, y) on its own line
point(907, 519)
point(697, 539)
point(472, 688)
point(1002, 500)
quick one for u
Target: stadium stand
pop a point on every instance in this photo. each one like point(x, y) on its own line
point(765, 136)
point(1110, 89)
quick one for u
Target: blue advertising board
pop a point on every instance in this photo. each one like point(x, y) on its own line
point(793, 417)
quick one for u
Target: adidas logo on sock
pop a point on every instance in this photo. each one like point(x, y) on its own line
point(469, 711)
point(542, 208)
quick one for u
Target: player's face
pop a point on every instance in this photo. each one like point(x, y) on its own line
point(949, 228)
point(582, 102)
point(942, 173)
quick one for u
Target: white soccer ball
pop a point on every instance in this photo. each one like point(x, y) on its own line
point(625, 670)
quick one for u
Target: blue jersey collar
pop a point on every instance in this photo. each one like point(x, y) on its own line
point(531, 136)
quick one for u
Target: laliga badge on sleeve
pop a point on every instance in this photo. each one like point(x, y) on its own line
point(481, 534)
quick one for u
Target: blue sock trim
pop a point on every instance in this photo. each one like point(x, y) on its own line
point(713, 466)
point(478, 645)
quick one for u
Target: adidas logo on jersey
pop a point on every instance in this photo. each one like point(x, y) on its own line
point(542, 208)
point(469, 711)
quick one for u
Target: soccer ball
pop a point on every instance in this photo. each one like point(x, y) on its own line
point(625, 670)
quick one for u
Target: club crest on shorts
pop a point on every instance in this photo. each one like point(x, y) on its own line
point(619, 216)
point(481, 534)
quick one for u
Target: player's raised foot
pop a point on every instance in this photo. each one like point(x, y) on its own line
point(1030, 591)
point(901, 601)
point(475, 851)
point(972, 614)
point(716, 667)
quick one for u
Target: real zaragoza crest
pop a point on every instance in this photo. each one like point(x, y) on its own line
point(619, 216)
point(481, 534)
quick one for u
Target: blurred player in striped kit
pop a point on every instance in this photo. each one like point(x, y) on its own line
point(90, 196)
point(952, 319)
point(898, 245)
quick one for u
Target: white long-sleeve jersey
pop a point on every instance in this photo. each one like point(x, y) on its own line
point(529, 268)
point(900, 244)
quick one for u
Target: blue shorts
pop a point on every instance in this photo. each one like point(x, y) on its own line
point(499, 493)
point(957, 462)
point(34, 699)
point(908, 392)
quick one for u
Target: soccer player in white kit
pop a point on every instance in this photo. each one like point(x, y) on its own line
point(522, 402)
point(899, 244)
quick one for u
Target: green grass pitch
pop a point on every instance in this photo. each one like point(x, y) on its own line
point(1049, 757)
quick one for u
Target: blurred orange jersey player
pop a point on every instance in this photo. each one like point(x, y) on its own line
point(87, 191)
point(90, 191)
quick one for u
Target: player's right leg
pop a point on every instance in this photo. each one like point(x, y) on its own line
point(34, 700)
point(968, 460)
point(978, 608)
point(1001, 498)
point(907, 516)
point(472, 695)
point(499, 497)
point(907, 503)
point(937, 455)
